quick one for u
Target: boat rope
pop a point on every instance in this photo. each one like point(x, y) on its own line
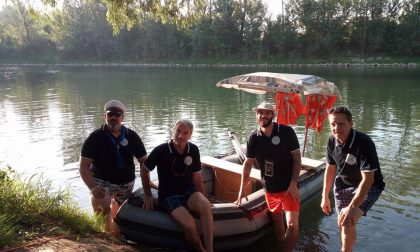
point(224, 187)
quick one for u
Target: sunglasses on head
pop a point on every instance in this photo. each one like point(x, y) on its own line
point(113, 113)
point(338, 110)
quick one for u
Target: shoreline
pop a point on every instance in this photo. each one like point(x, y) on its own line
point(178, 65)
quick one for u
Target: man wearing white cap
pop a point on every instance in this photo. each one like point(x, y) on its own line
point(275, 147)
point(107, 165)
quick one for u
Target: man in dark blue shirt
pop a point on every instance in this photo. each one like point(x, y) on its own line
point(107, 165)
point(353, 167)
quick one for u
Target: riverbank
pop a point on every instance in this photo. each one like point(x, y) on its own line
point(178, 65)
point(273, 62)
point(89, 243)
point(36, 217)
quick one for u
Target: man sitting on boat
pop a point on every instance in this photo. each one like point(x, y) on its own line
point(276, 149)
point(180, 185)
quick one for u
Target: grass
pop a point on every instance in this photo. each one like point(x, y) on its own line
point(31, 208)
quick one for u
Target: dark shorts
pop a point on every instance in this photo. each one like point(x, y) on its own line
point(173, 202)
point(343, 197)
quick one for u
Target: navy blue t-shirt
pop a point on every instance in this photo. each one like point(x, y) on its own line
point(274, 156)
point(113, 158)
point(357, 155)
point(174, 169)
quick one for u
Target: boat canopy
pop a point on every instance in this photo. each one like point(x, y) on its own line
point(320, 95)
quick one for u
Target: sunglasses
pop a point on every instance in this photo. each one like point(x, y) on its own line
point(338, 110)
point(113, 113)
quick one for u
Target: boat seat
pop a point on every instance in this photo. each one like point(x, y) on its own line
point(228, 166)
point(309, 164)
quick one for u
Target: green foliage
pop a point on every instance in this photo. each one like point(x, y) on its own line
point(155, 30)
point(31, 207)
point(127, 13)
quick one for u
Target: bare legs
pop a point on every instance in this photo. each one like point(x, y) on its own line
point(109, 209)
point(197, 203)
point(290, 236)
point(348, 232)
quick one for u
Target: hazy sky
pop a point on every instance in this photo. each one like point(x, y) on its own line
point(274, 6)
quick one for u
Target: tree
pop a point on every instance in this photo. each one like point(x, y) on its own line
point(23, 30)
point(80, 30)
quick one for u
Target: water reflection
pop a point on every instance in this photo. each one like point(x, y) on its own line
point(48, 112)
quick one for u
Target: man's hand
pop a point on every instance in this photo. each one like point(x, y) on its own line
point(294, 191)
point(98, 192)
point(240, 197)
point(347, 216)
point(153, 185)
point(148, 202)
point(326, 205)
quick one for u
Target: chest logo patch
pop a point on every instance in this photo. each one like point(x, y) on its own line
point(124, 142)
point(275, 140)
point(350, 159)
point(188, 160)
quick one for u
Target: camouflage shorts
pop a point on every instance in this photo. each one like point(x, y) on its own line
point(119, 193)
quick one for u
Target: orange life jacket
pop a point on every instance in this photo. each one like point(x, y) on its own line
point(316, 110)
point(289, 107)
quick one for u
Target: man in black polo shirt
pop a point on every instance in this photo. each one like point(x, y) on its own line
point(276, 149)
point(181, 188)
point(107, 165)
point(353, 166)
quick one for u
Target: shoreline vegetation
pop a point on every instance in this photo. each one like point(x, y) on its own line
point(33, 215)
point(219, 65)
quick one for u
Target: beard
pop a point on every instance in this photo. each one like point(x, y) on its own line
point(265, 122)
point(113, 125)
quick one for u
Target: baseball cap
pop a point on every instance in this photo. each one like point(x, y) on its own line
point(114, 105)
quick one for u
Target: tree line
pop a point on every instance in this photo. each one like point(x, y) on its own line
point(146, 30)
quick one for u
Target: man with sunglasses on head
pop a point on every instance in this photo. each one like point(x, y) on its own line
point(276, 150)
point(353, 167)
point(180, 185)
point(107, 165)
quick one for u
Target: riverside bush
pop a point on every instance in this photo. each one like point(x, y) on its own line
point(31, 208)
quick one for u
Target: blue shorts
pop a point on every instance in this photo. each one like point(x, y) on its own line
point(343, 196)
point(171, 203)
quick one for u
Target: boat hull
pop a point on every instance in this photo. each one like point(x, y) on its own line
point(234, 226)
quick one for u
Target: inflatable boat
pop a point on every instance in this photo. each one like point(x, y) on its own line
point(234, 226)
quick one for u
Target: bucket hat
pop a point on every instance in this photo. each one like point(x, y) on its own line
point(264, 106)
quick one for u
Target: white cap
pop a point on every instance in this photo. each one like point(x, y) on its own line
point(264, 106)
point(114, 105)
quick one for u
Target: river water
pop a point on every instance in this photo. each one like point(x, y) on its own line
point(48, 111)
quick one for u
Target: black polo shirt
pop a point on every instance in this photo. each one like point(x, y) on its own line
point(174, 169)
point(357, 155)
point(274, 152)
point(107, 164)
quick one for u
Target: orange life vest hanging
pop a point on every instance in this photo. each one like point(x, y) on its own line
point(289, 107)
point(316, 110)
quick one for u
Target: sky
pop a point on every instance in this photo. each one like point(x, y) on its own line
point(274, 6)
